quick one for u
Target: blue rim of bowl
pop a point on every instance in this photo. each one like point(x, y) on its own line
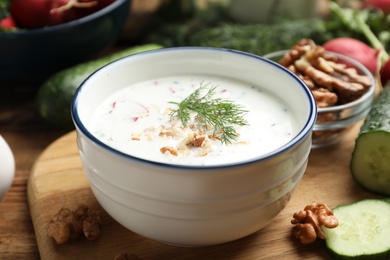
point(114, 5)
point(302, 134)
point(367, 95)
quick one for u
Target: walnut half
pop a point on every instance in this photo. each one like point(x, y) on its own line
point(308, 222)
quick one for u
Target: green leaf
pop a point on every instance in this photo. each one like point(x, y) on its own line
point(220, 116)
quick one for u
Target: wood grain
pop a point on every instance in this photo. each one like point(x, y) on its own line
point(57, 180)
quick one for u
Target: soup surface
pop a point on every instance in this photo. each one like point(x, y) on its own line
point(137, 121)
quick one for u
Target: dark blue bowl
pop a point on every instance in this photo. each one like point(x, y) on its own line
point(29, 57)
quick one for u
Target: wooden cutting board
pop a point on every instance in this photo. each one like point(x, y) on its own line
point(57, 180)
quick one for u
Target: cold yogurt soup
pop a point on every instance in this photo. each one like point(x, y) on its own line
point(138, 121)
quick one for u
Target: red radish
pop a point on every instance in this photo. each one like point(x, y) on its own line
point(63, 11)
point(100, 5)
point(383, 5)
point(32, 14)
point(104, 3)
point(384, 73)
point(7, 23)
point(356, 50)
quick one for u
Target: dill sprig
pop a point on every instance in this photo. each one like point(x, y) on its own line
point(221, 115)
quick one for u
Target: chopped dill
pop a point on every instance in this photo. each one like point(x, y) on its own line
point(221, 115)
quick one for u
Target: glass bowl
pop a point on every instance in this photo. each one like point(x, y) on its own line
point(340, 118)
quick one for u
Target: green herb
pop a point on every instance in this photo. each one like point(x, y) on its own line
point(4, 8)
point(358, 21)
point(220, 114)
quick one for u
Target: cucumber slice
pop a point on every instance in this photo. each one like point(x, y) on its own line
point(363, 231)
point(370, 164)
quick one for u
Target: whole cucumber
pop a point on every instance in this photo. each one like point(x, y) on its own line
point(55, 95)
point(370, 162)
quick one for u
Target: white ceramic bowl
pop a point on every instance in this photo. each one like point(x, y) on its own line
point(7, 168)
point(327, 133)
point(191, 205)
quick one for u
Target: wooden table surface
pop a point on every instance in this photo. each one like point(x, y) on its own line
point(27, 136)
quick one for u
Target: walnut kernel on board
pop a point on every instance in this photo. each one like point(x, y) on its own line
point(68, 224)
point(307, 222)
